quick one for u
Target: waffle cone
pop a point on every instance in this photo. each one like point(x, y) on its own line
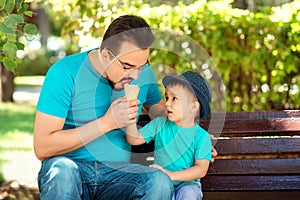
point(131, 92)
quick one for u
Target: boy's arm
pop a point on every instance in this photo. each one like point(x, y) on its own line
point(133, 136)
point(199, 170)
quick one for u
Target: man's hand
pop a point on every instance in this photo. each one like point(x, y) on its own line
point(122, 112)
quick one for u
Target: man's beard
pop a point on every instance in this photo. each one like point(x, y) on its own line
point(112, 84)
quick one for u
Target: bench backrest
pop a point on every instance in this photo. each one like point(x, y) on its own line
point(257, 151)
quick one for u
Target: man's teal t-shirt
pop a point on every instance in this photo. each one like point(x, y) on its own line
point(74, 90)
point(177, 148)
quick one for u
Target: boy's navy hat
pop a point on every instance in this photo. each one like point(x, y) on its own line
point(198, 85)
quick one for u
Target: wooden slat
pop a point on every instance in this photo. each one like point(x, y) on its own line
point(244, 115)
point(250, 195)
point(260, 127)
point(251, 183)
point(258, 146)
point(255, 166)
point(258, 114)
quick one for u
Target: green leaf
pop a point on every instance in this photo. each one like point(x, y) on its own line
point(2, 4)
point(13, 20)
point(23, 8)
point(20, 46)
point(19, 2)
point(12, 38)
point(10, 50)
point(30, 29)
point(9, 6)
point(10, 64)
point(28, 13)
point(6, 30)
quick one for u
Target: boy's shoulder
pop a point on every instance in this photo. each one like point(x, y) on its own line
point(202, 131)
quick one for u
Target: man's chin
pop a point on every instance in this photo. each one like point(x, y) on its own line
point(118, 86)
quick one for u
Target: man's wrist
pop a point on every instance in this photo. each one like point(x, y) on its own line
point(106, 124)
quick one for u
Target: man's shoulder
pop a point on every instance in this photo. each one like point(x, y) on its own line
point(69, 64)
point(76, 58)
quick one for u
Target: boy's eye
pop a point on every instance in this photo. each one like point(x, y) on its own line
point(174, 98)
point(167, 98)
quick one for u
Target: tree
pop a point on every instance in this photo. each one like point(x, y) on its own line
point(12, 25)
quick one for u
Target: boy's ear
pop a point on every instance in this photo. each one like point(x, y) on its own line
point(195, 106)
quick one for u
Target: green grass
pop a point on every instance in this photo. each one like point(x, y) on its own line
point(29, 80)
point(16, 126)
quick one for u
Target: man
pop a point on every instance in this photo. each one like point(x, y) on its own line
point(80, 112)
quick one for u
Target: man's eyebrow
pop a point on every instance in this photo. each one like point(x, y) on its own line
point(128, 64)
point(131, 65)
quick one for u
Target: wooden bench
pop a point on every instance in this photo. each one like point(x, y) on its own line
point(258, 156)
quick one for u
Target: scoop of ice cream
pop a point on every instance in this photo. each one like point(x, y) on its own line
point(131, 91)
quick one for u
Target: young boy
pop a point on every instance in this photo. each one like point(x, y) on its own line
point(182, 147)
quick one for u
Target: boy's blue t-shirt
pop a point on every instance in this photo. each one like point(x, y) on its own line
point(74, 90)
point(177, 148)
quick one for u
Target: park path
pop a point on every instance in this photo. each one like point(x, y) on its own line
point(21, 166)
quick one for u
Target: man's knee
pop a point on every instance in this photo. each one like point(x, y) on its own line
point(59, 169)
point(161, 182)
point(59, 178)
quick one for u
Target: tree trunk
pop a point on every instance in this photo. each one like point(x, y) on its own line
point(7, 87)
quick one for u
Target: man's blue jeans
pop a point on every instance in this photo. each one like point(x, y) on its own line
point(61, 178)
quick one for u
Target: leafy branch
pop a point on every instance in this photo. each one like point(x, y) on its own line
point(12, 25)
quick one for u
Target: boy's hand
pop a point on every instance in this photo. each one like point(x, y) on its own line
point(158, 167)
point(214, 152)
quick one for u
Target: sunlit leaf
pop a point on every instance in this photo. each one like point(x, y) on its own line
point(13, 20)
point(6, 30)
point(31, 29)
point(10, 64)
point(2, 4)
point(9, 6)
point(12, 38)
point(28, 13)
point(10, 50)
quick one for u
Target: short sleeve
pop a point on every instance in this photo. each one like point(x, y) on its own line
point(203, 147)
point(150, 130)
point(56, 94)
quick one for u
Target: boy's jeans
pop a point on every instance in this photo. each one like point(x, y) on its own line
point(188, 191)
point(61, 178)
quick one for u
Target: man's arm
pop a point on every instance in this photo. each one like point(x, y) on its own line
point(50, 140)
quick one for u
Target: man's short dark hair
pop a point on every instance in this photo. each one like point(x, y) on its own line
point(130, 28)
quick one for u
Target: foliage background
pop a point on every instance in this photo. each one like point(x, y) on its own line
point(257, 53)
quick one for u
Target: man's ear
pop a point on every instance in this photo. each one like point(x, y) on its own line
point(104, 53)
